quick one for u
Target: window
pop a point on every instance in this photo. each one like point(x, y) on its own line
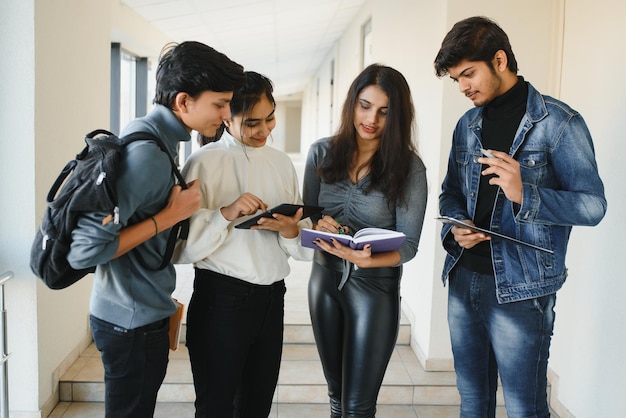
point(129, 87)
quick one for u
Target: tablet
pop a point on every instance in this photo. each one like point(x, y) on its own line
point(286, 209)
point(461, 224)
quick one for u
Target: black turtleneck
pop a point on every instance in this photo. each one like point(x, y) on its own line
point(501, 119)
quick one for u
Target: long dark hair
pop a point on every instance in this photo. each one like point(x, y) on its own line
point(254, 87)
point(391, 163)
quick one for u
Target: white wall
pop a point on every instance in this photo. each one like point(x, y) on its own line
point(50, 96)
point(16, 179)
point(412, 54)
point(66, 107)
point(590, 335)
point(565, 48)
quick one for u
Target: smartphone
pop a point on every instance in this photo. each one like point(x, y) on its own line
point(284, 209)
point(487, 153)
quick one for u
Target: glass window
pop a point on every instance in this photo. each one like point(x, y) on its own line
point(128, 88)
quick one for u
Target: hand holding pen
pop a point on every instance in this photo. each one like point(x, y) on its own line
point(330, 224)
point(506, 173)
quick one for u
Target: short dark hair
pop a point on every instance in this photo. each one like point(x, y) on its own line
point(476, 38)
point(193, 68)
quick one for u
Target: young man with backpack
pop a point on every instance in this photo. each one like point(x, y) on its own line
point(130, 302)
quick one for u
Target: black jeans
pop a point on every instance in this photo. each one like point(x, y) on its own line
point(355, 330)
point(235, 341)
point(135, 362)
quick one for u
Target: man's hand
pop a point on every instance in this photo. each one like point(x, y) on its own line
point(180, 205)
point(506, 173)
point(183, 203)
point(467, 238)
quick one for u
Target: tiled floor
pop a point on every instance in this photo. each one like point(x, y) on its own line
point(408, 391)
point(176, 410)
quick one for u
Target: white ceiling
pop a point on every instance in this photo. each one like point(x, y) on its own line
point(286, 40)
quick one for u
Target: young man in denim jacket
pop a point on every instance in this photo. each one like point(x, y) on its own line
point(537, 179)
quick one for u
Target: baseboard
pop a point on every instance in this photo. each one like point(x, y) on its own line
point(431, 364)
point(52, 401)
point(554, 401)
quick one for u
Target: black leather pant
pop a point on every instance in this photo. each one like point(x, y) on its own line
point(355, 331)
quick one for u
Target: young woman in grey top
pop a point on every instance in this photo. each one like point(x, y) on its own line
point(367, 175)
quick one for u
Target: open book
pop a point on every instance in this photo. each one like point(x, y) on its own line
point(461, 224)
point(381, 239)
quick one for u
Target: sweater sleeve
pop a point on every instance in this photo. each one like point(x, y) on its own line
point(410, 217)
point(142, 189)
point(311, 183)
point(291, 246)
point(207, 227)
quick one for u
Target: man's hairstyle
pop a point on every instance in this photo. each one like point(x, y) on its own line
point(476, 38)
point(193, 68)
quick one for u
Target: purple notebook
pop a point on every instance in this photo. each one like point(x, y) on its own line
point(382, 240)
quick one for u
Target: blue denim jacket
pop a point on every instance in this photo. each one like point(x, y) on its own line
point(561, 188)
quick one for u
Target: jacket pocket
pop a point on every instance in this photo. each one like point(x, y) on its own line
point(533, 166)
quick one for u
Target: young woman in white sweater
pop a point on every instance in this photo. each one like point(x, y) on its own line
point(235, 317)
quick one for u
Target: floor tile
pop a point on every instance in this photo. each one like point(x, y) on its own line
point(300, 372)
point(82, 410)
point(303, 352)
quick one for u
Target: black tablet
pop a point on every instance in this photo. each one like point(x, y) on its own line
point(286, 209)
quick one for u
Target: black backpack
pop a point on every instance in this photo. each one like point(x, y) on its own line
point(90, 188)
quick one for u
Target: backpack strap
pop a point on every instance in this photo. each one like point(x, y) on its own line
point(135, 136)
point(181, 229)
point(70, 166)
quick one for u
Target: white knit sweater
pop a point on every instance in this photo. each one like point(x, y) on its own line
point(227, 169)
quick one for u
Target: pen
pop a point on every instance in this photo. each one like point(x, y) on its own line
point(340, 228)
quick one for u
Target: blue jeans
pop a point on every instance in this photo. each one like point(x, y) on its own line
point(135, 362)
point(512, 339)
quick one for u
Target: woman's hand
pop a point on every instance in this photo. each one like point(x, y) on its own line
point(359, 258)
point(286, 226)
point(246, 204)
point(329, 224)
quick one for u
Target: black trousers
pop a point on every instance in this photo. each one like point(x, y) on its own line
point(235, 339)
point(355, 330)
